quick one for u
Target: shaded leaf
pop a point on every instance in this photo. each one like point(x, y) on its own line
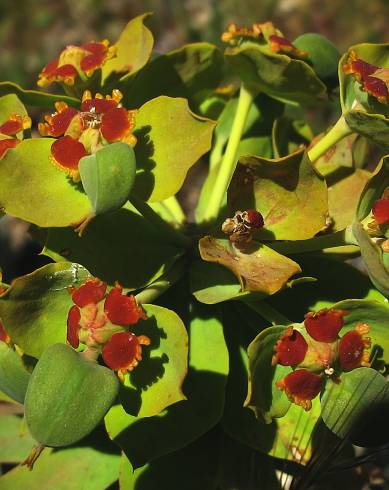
point(14, 376)
point(170, 140)
point(36, 306)
point(79, 467)
point(133, 48)
point(35, 190)
point(137, 252)
point(145, 439)
point(258, 268)
point(108, 176)
point(156, 383)
point(277, 75)
point(288, 135)
point(15, 441)
point(288, 192)
point(356, 407)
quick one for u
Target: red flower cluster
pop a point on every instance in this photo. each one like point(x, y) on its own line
point(12, 126)
point(76, 61)
point(101, 320)
point(242, 225)
point(380, 209)
point(317, 353)
point(364, 73)
point(99, 122)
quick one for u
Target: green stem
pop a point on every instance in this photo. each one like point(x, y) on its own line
point(335, 134)
point(338, 239)
point(169, 233)
point(268, 312)
point(228, 163)
point(175, 209)
point(152, 292)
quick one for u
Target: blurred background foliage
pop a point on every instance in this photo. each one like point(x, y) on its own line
point(33, 32)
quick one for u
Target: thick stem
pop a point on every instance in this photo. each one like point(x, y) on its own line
point(267, 312)
point(152, 292)
point(228, 163)
point(335, 134)
point(175, 237)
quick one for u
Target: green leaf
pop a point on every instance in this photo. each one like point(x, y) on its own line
point(15, 441)
point(133, 48)
point(343, 198)
point(288, 192)
point(356, 407)
point(373, 126)
point(108, 176)
point(277, 75)
point(65, 400)
point(322, 55)
point(35, 308)
point(145, 439)
point(373, 258)
point(36, 98)
point(83, 468)
point(171, 139)
point(34, 189)
point(185, 72)
point(263, 397)
point(13, 375)
point(157, 382)
point(137, 252)
point(258, 268)
point(374, 189)
point(10, 105)
point(338, 159)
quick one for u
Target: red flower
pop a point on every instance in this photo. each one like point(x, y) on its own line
point(123, 351)
point(363, 72)
point(13, 125)
point(352, 345)
point(76, 61)
point(101, 121)
point(301, 387)
point(290, 349)
point(324, 325)
point(318, 353)
point(100, 320)
point(280, 43)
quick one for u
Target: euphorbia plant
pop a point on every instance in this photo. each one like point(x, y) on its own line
point(146, 329)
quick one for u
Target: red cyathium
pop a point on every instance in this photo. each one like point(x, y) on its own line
point(380, 210)
point(363, 72)
point(101, 320)
point(100, 121)
point(317, 351)
point(4, 337)
point(76, 62)
point(9, 129)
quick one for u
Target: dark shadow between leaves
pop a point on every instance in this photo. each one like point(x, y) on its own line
point(144, 150)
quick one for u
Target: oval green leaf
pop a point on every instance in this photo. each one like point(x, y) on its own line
point(67, 396)
point(108, 176)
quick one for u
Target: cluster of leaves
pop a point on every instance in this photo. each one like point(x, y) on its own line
point(207, 290)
